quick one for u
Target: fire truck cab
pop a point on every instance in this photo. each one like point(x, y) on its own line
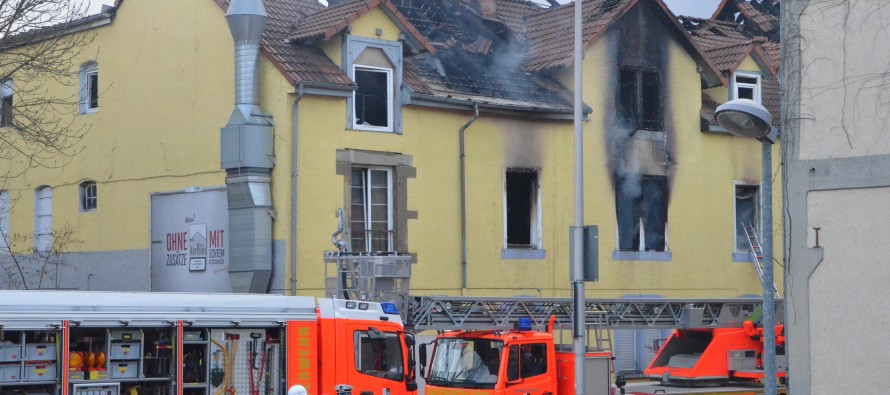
point(501, 362)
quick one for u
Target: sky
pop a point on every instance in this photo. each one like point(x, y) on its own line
point(696, 8)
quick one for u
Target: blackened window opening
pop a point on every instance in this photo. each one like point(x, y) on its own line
point(93, 83)
point(745, 214)
point(641, 204)
point(639, 99)
point(6, 103)
point(372, 97)
point(521, 211)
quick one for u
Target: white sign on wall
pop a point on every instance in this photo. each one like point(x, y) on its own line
point(189, 242)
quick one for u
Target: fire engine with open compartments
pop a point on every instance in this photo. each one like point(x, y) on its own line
point(127, 343)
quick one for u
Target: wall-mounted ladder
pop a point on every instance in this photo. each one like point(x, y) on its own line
point(757, 253)
point(469, 313)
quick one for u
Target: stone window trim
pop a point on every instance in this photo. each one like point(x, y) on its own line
point(353, 47)
point(402, 169)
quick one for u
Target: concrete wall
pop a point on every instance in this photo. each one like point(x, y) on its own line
point(838, 161)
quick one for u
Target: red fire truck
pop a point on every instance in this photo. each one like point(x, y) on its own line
point(114, 343)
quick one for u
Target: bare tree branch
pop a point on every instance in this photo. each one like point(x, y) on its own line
point(40, 43)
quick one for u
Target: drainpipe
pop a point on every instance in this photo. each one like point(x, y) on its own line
point(463, 198)
point(293, 193)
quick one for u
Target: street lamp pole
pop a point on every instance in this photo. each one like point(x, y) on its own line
point(769, 302)
point(746, 118)
point(578, 343)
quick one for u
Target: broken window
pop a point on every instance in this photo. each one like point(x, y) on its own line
point(89, 88)
point(641, 208)
point(746, 214)
point(371, 210)
point(373, 98)
point(746, 86)
point(522, 209)
point(6, 103)
point(639, 99)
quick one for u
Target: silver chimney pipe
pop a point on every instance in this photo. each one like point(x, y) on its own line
point(247, 20)
point(246, 153)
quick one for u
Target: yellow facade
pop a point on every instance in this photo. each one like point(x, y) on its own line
point(166, 77)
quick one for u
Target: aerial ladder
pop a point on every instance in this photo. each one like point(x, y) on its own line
point(757, 253)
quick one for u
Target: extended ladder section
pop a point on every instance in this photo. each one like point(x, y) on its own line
point(757, 253)
point(469, 313)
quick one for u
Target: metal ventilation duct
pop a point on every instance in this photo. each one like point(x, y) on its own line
point(246, 153)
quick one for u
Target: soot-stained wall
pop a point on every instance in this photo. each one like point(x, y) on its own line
point(638, 126)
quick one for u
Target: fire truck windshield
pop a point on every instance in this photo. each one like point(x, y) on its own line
point(466, 363)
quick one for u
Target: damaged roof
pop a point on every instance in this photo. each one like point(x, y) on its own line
point(759, 17)
point(478, 56)
point(727, 44)
point(324, 24)
point(551, 35)
point(479, 51)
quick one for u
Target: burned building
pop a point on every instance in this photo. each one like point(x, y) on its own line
point(441, 128)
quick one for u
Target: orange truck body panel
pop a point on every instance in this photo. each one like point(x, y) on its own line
point(693, 356)
point(303, 359)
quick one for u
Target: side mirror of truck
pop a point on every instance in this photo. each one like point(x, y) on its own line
point(410, 378)
point(423, 359)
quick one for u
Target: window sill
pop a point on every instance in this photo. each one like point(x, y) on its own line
point(377, 130)
point(650, 135)
point(658, 256)
point(523, 253)
point(742, 257)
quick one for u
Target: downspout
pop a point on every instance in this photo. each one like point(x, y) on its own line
point(293, 193)
point(463, 198)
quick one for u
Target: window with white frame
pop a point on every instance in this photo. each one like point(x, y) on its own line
point(746, 86)
point(89, 88)
point(89, 198)
point(371, 210)
point(372, 98)
point(747, 212)
point(641, 204)
point(375, 65)
point(43, 218)
point(522, 209)
point(4, 222)
point(6, 103)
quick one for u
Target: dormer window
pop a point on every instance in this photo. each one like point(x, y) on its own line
point(746, 86)
point(373, 98)
point(375, 66)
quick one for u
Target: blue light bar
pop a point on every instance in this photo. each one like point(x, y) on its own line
point(524, 324)
point(389, 308)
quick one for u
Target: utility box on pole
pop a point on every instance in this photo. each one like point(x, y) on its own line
point(591, 252)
